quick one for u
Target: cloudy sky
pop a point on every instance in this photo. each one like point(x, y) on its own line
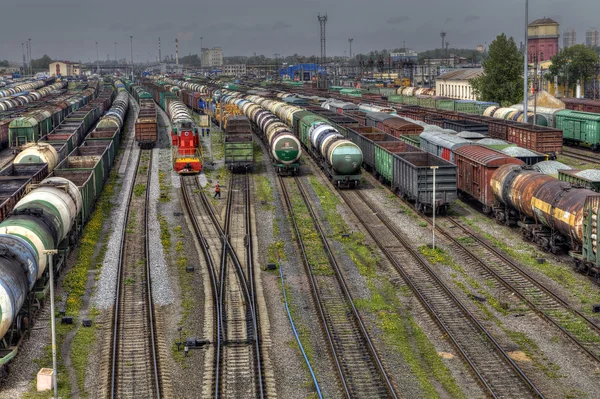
point(68, 29)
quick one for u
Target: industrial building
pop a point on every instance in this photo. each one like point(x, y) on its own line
point(542, 36)
point(234, 69)
point(569, 38)
point(456, 84)
point(304, 72)
point(211, 57)
point(592, 37)
point(64, 68)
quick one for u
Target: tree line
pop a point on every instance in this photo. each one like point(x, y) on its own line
point(502, 78)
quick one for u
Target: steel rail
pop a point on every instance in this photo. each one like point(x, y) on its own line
point(119, 284)
point(424, 300)
point(214, 279)
point(361, 327)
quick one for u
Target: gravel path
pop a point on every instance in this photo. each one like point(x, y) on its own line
point(105, 291)
point(162, 293)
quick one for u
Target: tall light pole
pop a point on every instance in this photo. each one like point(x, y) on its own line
point(525, 63)
point(131, 42)
point(23, 51)
point(201, 52)
point(51, 253)
point(97, 59)
point(433, 204)
point(116, 59)
point(350, 42)
point(30, 64)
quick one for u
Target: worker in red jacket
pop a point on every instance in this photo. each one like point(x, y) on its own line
point(217, 191)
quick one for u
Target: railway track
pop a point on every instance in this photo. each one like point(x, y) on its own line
point(580, 329)
point(135, 368)
point(358, 365)
point(592, 158)
point(498, 374)
point(6, 159)
point(237, 363)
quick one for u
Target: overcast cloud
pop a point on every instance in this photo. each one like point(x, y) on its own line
point(68, 29)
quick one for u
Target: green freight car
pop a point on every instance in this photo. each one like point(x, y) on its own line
point(579, 128)
point(238, 146)
point(29, 128)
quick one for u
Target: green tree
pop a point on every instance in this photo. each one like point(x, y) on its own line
point(572, 64)
point(501, 81)
point(4, 63)
point(41, 63)
point(192, 59)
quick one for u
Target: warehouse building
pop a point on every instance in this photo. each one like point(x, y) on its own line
point(455, 84)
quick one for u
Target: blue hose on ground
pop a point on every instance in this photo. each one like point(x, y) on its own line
point(287, 308)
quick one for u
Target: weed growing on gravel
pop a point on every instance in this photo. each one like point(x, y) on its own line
point(440, 256)
point(76, 278)
point(165, 234)
point(400, 330)
point(581, 288)
point(165, 187)
point(139, 189)
point(264, 190)
point(301, 329)
point(276, 248)
point(187, 299)
point(315, 252)
point(532, 350)
point(131, 223)
point(218, 148)
point(81, 346)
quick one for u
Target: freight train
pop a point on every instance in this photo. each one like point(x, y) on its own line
point(285, 150)
point(578, 124)
point(51, 216)
point(339, 158)
point(552, 213)
point(185, 140)
point(146, 128)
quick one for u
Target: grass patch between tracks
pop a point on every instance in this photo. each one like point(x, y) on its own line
point(186, 285)
point(399, 328)
point(315, 251)
point(581, 288)
point(472, 289)
point(165, 187)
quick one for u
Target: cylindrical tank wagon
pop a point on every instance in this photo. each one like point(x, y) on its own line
point(40, 222)
point(552, 206)
point(284, 147)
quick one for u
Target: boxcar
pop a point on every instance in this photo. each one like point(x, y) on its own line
point(465, 125)
point(441, 144)
point(475, 165)
point(391, 124)
point(413, 180)
point(4, 133)
point(589, 178)
point(239, 150)
point(579, 128)
point(582, 104)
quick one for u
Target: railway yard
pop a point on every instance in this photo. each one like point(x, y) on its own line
point(277, 242)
